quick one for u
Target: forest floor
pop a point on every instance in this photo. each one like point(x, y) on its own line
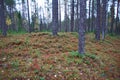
point(41, 56)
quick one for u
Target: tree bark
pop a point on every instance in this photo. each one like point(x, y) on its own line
point(72, 15)
point(89, 27)
point(55, 17)
point(93, 17)
point(66, 16)
point(117, 18)
point(104, 13)
point(112, 16)
point(82, 25)
point(29, 28)
point(0, 17)
point(23, 14)
point(3, 25)
point(77, 20)
point(59, 18)
point(98, 27)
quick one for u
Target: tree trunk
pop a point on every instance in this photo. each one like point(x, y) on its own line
point(93, 17)
point(2, 16)
point(29, 28)
point(77, 20)
point(41, 24)
point(117, 18)
point(97, 33)
point(72, 15)
point(82, 25)
point(89, 27)
point(66, 16)
point(54, 17)
point(104, 13)
point(23, 13)
point(59, 18)
point(112, 17)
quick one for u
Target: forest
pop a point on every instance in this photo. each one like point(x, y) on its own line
point(59, 39)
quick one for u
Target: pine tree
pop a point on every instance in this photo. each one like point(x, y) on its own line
point(82, 25)
point(2, 16)
point(72, 15)
point(112, 16)
point(29, 28)
point(55, 17)
point(104, 13)
point(98, 27)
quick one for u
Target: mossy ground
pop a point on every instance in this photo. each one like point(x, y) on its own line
point(41, 56)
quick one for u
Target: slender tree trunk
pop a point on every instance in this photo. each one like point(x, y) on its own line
point(93, 17)
point(117, 18)
point(89, 27)
point(82, 25)
point(112, 17)
point(41, 24)
point(29, 28)
point(77, 20)
point(98, 29)
point(104, 13)
point(72, 15)
point(107, 18)
point(66, 16)
point(40, 18)
point(55, 17)
point(23, 13)
point(59, 19)
point(2, 16)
